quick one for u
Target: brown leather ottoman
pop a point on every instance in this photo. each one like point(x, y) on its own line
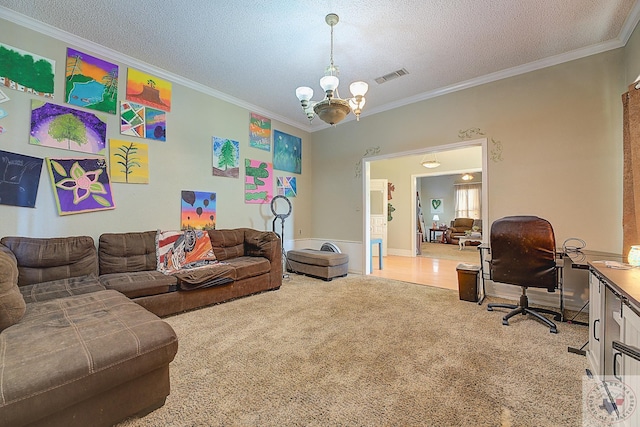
point(322, 264)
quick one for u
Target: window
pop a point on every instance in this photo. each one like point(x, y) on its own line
point(468, 201)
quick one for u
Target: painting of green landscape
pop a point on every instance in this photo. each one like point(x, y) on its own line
point(91, 82)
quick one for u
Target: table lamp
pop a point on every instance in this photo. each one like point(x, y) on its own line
point(436, 218)
point(634, 255)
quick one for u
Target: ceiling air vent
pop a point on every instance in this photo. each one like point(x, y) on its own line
point(398, 73)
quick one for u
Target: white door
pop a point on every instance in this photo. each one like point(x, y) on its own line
point(378, 191)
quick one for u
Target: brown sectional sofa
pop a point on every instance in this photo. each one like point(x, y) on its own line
point(80, 338)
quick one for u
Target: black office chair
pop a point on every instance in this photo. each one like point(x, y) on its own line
point(523, 253)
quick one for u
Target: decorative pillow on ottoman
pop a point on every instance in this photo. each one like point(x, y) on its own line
point(179, 250)
point(12, 305)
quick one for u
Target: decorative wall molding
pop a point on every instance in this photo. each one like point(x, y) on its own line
point(496, 151)
point(371, 151)
point(470, 133)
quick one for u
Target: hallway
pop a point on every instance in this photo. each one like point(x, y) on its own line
point(440, 273)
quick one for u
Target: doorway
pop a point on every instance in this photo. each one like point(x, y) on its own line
point(402, 170)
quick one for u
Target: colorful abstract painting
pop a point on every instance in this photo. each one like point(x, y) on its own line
point(286, 186)
point(19, 179)
point(226, 157)
point(259, 132)
point(258, 184)
point(146, 89)
point(142, 121)
point(66, 128)
point(198, 210)
point(26, 71)
point(80, 185)
point(91, 82)
point(128, 162)
point(287, 152)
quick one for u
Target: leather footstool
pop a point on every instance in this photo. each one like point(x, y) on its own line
point(321, 264)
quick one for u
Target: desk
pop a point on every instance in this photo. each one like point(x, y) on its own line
point(379, 243)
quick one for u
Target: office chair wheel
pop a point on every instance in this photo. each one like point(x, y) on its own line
point(505, 322)
point(553, 330)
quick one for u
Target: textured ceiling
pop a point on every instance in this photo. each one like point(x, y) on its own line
point(257, 52)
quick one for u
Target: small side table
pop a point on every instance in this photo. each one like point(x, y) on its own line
point(433, 234)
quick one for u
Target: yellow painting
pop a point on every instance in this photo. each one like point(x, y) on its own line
point(128, 162)
point(149, 90)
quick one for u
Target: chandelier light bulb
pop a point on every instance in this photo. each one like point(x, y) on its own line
point(358, 88)
point(304, 94)
point(329, 83)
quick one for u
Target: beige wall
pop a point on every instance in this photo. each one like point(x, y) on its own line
point(632, 58)
point(184, 162)
point(561, 159)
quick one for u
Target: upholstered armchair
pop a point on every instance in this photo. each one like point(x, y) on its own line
point(457, 229)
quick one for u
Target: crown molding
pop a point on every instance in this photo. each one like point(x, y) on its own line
point(79, 42)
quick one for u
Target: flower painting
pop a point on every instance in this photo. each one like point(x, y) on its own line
point(287, 152)
point(80, 185)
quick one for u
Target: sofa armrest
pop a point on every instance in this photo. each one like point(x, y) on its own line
point(266, 244)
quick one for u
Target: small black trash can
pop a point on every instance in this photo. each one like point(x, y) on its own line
point(468, 281)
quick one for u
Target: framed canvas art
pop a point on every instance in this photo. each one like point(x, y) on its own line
point(26, 72)
point(128, 162)
point(287, 186)
point(259, 132)
point(66, 128)
point(80, 185)
point(142, 121)
point(143, 88)
point(198, 210)
point(258, 187)
point(91, 82)
point(19, 179)
point(226, 157)
point(436, 206)
point(287, 152)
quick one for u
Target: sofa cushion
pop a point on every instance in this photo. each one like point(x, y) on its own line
point(139, 283)
point(66, 350)
point(227, 244)
point(249, 266)
point(61, 288)
point(127, 252)
point(45, 259)
point(12, 304)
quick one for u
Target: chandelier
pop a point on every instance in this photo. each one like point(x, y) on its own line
point(431, 164)
point(332, 109)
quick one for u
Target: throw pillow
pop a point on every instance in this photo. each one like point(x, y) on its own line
point(12, 305)
point(179, 250)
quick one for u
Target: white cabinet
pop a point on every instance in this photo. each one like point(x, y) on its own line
point(595, 354)
point(630, 366)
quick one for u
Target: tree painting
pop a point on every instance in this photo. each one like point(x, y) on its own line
point(226, 157)
point(26, 72)
point(91, 82)
point(68, 128)
point(129, 162)
point(57, 126)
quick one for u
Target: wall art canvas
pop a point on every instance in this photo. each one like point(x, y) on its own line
point(287, 152)
point(198, 210)
point(66, 128)
point(80, 185)
point(26, 72)
point(91, 82)
point(146, 89)
point(128, 162)
point(436, 206)
point(19, 179)
point(3, 97)
point(287, 186)
point(260, 132)
point(258, 184)
point(226, 157)
point(142, 121)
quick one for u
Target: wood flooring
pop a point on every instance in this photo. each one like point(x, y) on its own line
point(440, 273)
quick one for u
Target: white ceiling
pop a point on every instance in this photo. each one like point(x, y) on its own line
point(254, 53)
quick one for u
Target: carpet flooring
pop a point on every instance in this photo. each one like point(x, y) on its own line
point(366, 351)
